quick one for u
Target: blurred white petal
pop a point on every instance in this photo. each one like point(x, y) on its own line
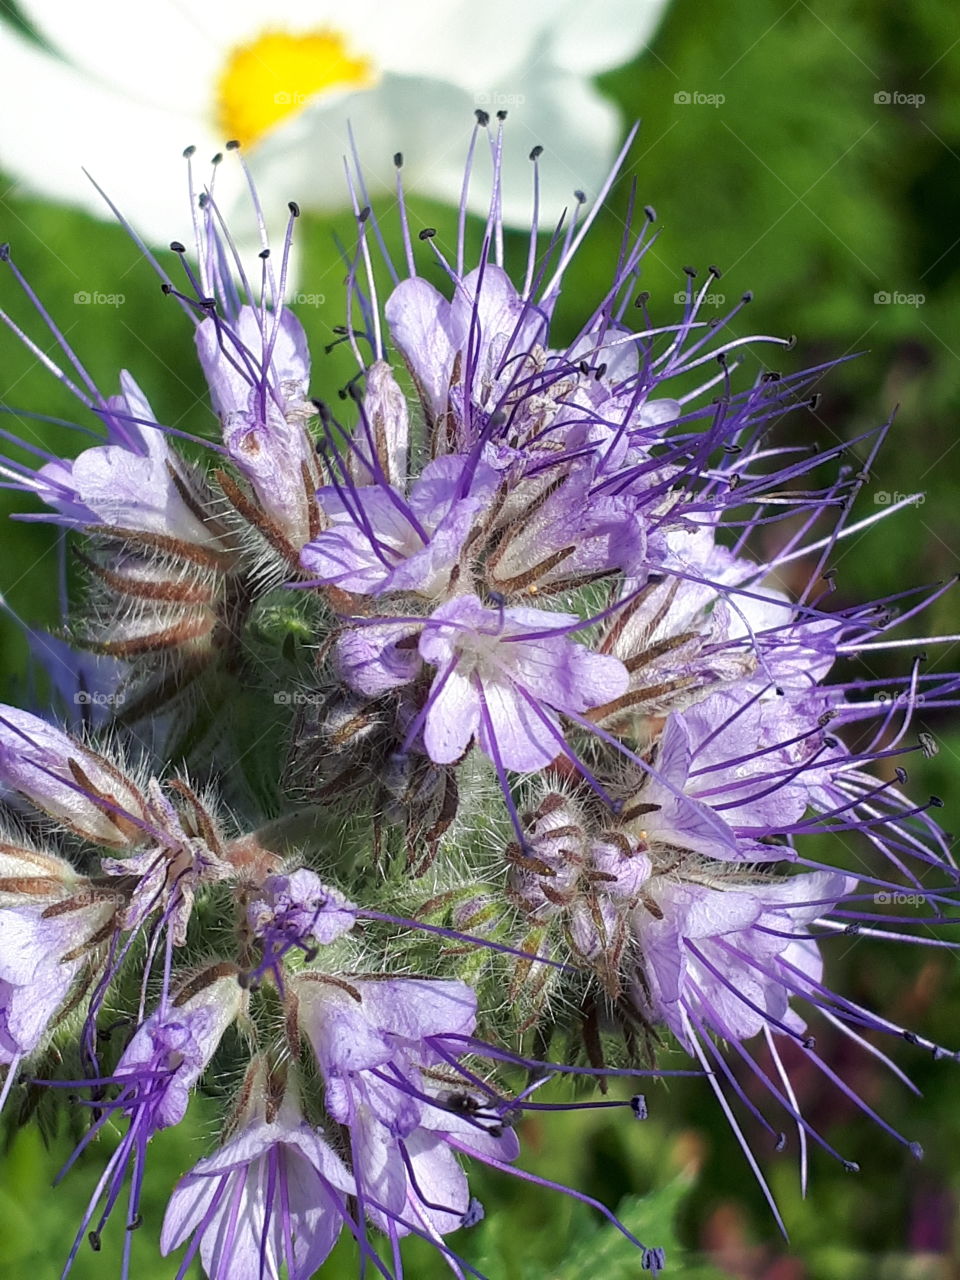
point(151, 83)
point(134, 152)
point(589, 38)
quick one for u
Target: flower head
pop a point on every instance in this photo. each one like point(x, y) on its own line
point(556, 738)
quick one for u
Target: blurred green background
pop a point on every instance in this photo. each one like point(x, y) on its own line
point(812, 151)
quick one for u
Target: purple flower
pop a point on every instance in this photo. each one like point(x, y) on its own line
point(296, 911)
point(273, 1199)
point(170, 1050)
point(77, 787)
point(375, 658)
point(257, 367)
point(137, 482)
point(374, 1042)
point(154, 1078)
point(378, 541)
point(730, 959)
point(432, 333)
point(502, 677)
point(43, 950)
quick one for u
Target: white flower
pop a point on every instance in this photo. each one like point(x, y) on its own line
point(125, 87)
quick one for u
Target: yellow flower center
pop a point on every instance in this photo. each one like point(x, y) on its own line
point(271, 78)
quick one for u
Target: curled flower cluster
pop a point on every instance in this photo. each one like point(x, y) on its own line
point(540, 734)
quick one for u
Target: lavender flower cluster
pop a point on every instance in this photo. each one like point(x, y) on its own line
point(540, 737)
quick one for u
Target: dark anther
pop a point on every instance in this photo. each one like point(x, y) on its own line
point(916, 1150)
point(580, 196)
point(936, 802)
point(828, 575)
point(714, 271)
point(189, 151)
point(537, 152)
point(427, 233)
point(853, 928)
point(264, 254)
point(809, 1042)
point(748, 296)
point(791, 341)
point(901, 774)
point(638, 1105)
point(177, 247)
point(203, 199)
point(813, 404)
point(600, 371)
point(398, 159)
point(650, 213)
point(911, 1037)
point(772, 375)
point(294, 208)
point(96, 1243)
point(781, 1142)
point(928, 744)
point(483, 117)
point(4, 253)
point(850, 1166)
point(691, 272)
point(830, 741)
point(501, 115)
point(584, 368)
point(136, 1224)
point(364, 213)
point(166, 287)
point(217, 158)
point(233, 144)
point(642, 298)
